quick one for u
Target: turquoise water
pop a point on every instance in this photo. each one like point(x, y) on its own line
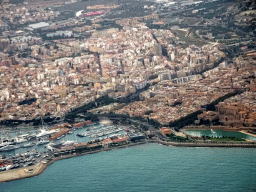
point(219, 133)
point(150, 167)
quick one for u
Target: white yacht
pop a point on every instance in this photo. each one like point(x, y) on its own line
point(67, 143)
point(42, 142)
point(8, 148)
point(45, 133)
point(8, 167)
point(27, 145)
point(6, 141)
point(21, 138)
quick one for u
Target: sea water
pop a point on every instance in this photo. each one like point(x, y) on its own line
point(149, 167)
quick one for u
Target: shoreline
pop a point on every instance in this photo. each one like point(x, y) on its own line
point(22, 173)
point(223, 128)
point(245, 132)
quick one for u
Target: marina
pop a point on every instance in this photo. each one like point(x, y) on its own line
point(42, 143)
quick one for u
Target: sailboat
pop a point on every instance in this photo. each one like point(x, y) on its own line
point(44, 130)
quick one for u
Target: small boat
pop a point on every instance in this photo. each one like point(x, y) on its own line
point(27, 145)
point(2, 168)
point(42, 142)
point(21, 138)
point(8, 167)
point(81, 134)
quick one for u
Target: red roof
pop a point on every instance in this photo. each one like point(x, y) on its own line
point(5, 164)
point(108, 139)
point(119, 140)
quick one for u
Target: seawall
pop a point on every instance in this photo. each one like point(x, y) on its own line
point(227, 145)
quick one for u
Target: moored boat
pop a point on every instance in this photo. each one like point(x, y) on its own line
point(27, 145)
point(8, 148)
point(81, 134)
point(42, 142)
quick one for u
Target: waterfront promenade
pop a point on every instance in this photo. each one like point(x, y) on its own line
point(37, 169)
point(22, 173)
point(208, 144)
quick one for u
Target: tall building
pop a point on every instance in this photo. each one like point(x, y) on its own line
point(172, 56)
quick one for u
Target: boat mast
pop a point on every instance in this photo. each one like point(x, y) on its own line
point(43, 124)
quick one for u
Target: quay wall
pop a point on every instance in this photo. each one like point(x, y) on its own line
point(227, 145)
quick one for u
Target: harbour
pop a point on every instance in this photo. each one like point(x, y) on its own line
point(27, 155)
point(127, 95)
point(148, 167)
point(62, 141)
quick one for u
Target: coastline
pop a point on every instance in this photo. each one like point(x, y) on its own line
point(223, 128)
point(22, 173)
point(37, 169)
point(245, 132)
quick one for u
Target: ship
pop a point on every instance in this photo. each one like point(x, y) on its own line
point(45, 133)
point(13, 141)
